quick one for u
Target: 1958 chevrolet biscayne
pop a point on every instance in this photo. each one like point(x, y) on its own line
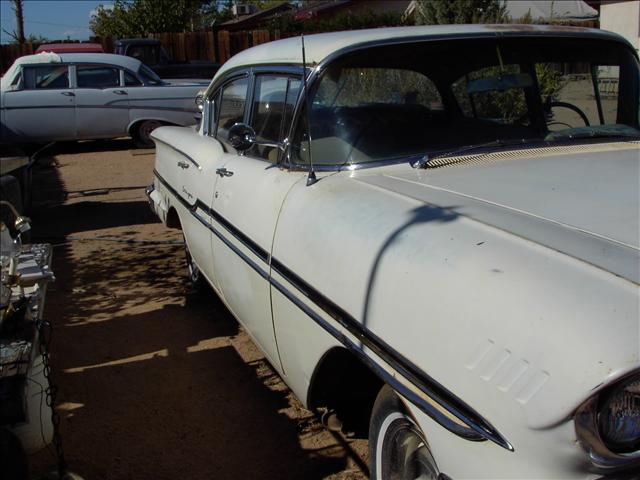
point(435, 234)
point(81, 96)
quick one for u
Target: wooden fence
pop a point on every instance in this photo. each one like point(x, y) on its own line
point(191, 46)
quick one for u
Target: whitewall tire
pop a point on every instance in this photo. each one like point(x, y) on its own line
point(397, 447)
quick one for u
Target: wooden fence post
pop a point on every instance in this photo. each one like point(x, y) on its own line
point(224, 46)
point(210, 50)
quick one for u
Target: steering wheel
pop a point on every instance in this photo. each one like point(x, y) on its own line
point(571, 107)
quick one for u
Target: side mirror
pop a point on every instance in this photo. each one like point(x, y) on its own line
point(242, 136)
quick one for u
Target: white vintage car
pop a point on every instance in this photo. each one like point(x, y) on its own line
point(80, 96)
point(434, 237)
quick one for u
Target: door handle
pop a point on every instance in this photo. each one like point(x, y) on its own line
point(120, 92)
point(68, 94)
point(182, 164)
point(223, 172)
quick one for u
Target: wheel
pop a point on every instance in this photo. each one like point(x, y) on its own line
point(397, 447)
point(142, 134)
point(196, 279)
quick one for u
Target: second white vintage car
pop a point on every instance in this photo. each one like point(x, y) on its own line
point(80, 96)
point(434, 237)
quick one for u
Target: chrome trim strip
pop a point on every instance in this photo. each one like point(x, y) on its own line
point(126, 107)
point(479, 429)
point(48, 107)
point(427, 393)
point(196, 164)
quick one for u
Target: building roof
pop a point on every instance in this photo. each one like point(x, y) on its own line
point(320, 46)
point(547, 10)
point(257, 18)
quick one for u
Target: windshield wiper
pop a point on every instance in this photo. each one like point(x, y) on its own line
point(424, 160)
point(607, 131)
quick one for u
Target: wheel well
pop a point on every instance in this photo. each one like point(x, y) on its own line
point(134, 126)
point(173, 220)
point(343, 384)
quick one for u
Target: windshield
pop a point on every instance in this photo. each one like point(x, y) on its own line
point(149, 77)
point(404, 100)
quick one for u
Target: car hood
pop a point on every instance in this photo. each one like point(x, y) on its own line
point(584, 202)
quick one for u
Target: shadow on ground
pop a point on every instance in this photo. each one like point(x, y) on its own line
point(157, 381)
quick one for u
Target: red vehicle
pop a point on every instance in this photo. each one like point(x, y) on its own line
point(70, 48)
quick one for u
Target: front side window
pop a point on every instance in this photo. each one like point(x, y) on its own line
point(273, 104)
point(97, 76)
point(46, 77)
point(231, 109)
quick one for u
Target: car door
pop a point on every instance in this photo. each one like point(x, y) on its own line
point(246, 202)
point(42, 107)
point(102, 104)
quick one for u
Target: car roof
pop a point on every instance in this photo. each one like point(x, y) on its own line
point(108, 58)
point(320, 46)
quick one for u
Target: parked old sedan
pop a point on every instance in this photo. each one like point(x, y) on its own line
point(434, 236)
point(80, 96)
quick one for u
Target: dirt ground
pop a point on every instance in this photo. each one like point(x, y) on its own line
point(156, 381)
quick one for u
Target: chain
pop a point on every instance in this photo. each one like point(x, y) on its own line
point(45, 329)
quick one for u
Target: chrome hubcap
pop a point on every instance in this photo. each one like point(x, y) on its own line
point(405, 455)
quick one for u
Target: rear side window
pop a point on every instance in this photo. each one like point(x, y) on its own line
point(232, 103)
point(46, 77)
point(97, 76)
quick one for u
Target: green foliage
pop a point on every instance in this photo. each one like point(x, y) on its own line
point(440, 12)
point(132, 18)
point(510, 105)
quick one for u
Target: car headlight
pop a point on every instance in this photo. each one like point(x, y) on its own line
point(619, 418)
point(608, 425)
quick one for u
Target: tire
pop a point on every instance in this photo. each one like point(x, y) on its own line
point(195, 277)
point(142, 133)
point(397, 446)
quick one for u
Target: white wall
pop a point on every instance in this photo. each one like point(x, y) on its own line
point(622, 18)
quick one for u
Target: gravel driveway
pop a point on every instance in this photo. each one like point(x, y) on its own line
point(155, 380)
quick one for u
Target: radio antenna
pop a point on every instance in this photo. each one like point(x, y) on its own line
point(311, 178)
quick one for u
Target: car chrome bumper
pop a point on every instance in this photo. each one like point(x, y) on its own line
point(148, 191)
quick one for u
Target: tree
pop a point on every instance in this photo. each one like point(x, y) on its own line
point(437, 12)
point(18, 36)
point(133, 18)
